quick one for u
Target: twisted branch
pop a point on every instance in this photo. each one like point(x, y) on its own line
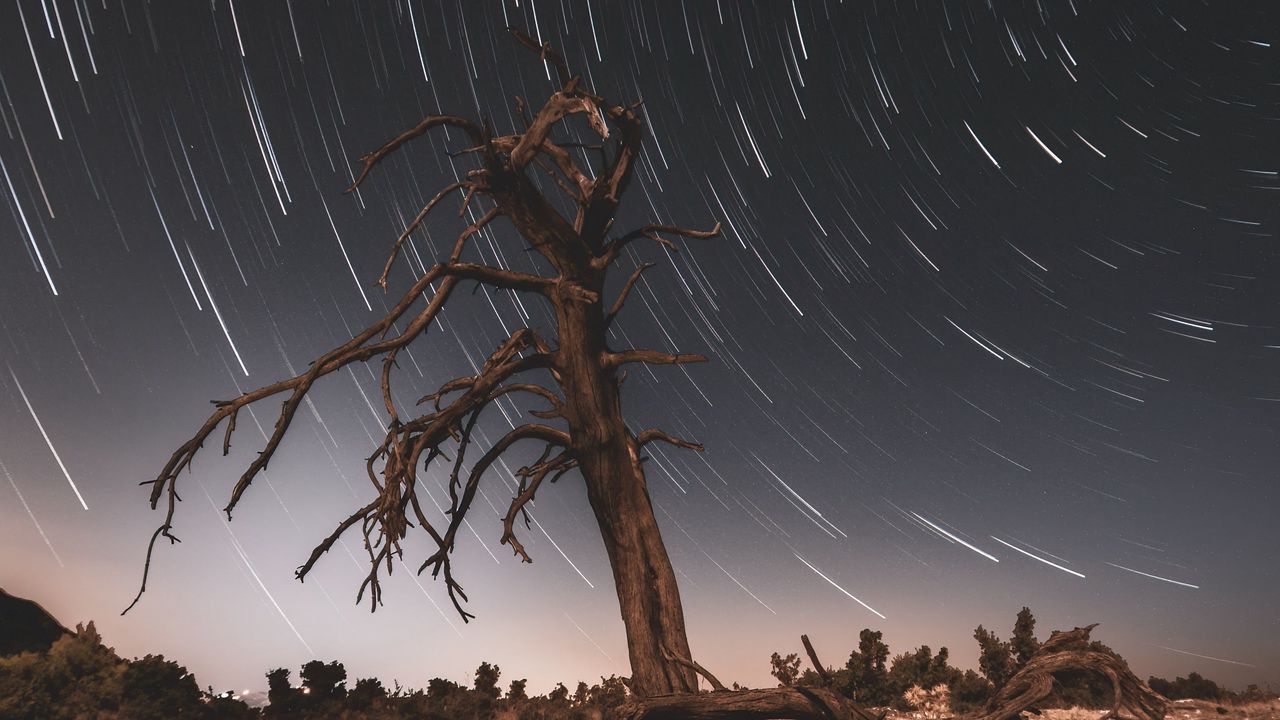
point(626, 290)
point(647, 436)
point(531, 478)
point(369, 160)
point(654, 232)
point(1066, 652)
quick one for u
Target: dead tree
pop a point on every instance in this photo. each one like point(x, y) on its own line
point(1068, 651)
point(583, 428)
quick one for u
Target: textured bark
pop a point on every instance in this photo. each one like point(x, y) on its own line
point(585, 430)
point(609, 460)
point(1065, 652)
point(791, 703)
point(782, 703)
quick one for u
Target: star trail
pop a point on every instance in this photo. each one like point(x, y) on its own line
point(992, 321)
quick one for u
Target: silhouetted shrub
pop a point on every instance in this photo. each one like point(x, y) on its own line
point(1191, 687)
point(153, 688)
point(366, 694)
point(969, 692)
point(323, 681)
point(786, 670)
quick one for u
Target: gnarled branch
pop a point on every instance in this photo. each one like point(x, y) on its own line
point(653, 232)
point(545, 51)
point(693, 665)
point(531, 478)
point(417, 221)
point(626, 290)
point(536, 431)
point(647, 436)
point(500, 277)
point(1069, 651)
point(431, 121)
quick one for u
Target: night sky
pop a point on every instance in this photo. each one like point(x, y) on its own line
point(993, 321)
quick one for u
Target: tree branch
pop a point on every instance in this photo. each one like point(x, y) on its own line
point(458, 512)
point(626, 290)
point(817, 664)
point(652, 357)
point(428, 122)
point(557, 405)
point(405, 441)
point(530, 480)
point(648, 436)
point(422, 215)
point(653, 232)
point(545, 51)
point(400, 454)
point(499, 277)
point(693, 665)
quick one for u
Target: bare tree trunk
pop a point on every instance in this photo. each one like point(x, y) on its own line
point(609, 460)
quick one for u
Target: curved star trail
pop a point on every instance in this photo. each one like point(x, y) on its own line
point(988, 270)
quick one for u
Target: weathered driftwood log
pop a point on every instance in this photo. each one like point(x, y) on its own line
point(1063, 652)
point(792, 703)
point(1069, 652)
point(783, 703)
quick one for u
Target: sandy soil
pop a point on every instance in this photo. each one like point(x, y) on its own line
point(1180, 710)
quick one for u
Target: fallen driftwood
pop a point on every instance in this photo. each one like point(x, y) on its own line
point(1068, 651)
point(793, 703)
point(783, 703)
point(1063, 652)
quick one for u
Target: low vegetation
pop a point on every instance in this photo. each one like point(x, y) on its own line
point(80, 677)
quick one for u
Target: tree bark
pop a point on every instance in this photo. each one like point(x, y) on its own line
point(793, 703)
point(609, 460)
point(1066, 651)
point(598, 443)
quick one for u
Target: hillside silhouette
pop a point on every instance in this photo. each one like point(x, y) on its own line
point(25, 626)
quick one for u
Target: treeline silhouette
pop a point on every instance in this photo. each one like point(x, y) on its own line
point(78, 677)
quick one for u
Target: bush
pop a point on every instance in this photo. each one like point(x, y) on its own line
point(323, 681)
point(920, 668)
point(156, 689)
point(970, 691)
point(367, 693)
point(1191, 687)
point(79, 677)
point(932, 703)
point(864, 678)
point(786, 670)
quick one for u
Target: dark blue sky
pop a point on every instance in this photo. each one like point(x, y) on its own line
point(996, 283)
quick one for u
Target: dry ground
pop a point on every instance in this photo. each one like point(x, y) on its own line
point(1179, 710)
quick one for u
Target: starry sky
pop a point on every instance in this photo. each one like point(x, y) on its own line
point(992, 323)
